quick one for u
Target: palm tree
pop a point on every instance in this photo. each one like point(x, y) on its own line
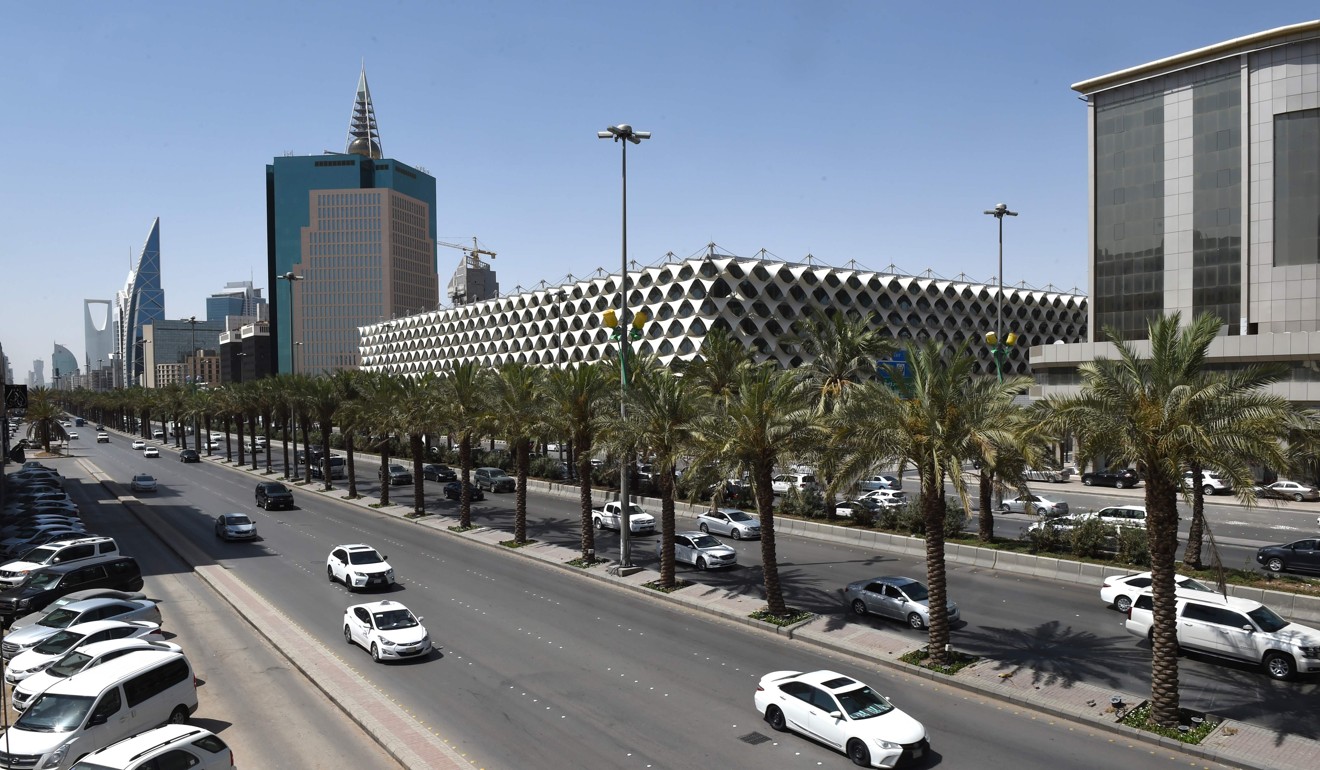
point(767, 419)
point(43, 416)
point(662, 411)
point(1155, 412)
point(932, 419)
point(579, 398)
point(352, 386)
point(465, 393)
point(517, 413)
point(382, 414)
point(719, 362)
point(418, 416)
point(323, 396)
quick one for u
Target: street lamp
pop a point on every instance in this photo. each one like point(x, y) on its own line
point(293, 361)
point(994, 338)
point(623, 134)
point(192, 356)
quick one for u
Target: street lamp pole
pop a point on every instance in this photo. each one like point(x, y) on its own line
point(192, 355)
point(623, 134)
point(293, 353)
point(998, 341)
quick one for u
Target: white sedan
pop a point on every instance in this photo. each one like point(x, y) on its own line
point(1033, 504)
point(386, 629)
point(1119, 591)
point(842, 713)
point(151, 451)
point(139, 444)
point(55, 646)
point(700, 550)
point(80, 658)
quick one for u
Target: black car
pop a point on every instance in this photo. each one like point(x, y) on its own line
point(397, 475)
point(47, 584)
point(454, 491)
point(189, 456)
point(1300, 556)
point(435, 472)
point(273, 494)
point(1123, 478)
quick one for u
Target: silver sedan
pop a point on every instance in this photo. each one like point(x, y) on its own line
point(730, 521)
point(1034, 504)
point(900, 598)
point(701, 550)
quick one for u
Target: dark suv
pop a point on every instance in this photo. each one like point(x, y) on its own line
point(494, 480)
point(273, 494)
point(1123, 478)
point(47, 584)
point(397, 475)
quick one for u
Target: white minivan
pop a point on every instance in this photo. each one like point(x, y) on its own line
point(97, 707)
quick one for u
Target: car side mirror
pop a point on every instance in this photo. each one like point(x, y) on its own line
point(98, 719)
point(420, 619)
point(1249, 629)
point(836, 715)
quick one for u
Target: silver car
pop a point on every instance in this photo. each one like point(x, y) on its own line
point(235, 526)
point(73, 614)
point(900, 598)
point(736, 524)
point(76, 596)
point(1033, 504)
point(700, 550)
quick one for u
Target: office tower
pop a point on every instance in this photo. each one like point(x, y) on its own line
point(98, 333)
point(358, 229)
point(64, 367)
point(238, 298)
point(37, 378)
point(141, 302)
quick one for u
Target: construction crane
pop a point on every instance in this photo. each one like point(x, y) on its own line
point(471, 253)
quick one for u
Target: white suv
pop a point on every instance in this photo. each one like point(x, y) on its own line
point(786, 481)
point(1241, 629)
point(1212, 483)
point(171, 745)
point(359, 566)
point(57, 552)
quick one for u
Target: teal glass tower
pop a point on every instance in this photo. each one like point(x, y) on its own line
point(359, 232)
point(141, 302)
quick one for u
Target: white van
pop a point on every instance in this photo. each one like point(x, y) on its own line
point(97, 707)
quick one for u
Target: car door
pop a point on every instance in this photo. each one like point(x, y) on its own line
point(830, 729)
point(891, 602)
point(339, 563)
point(1197, 629)
point(1306, 555)
point(360, 626)
point(797, 706)
point(683, 550)
point(719, 523)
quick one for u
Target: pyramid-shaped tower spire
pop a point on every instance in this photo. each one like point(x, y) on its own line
point(363, 135)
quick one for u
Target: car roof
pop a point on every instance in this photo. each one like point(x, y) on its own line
point(142, 745)
point(111, 645)
point(236, 513)
point(91, 604)
point(92, 626)
point(829, 680)
point(380, 606)
point(692, 533)
point(100, 677)
point(729, 510)
point(355, 547)
point(1141, 508)
point(73, 565)
point(1202, 597)
point(894, 580)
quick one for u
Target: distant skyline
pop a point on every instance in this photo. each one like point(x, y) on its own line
point(866, 132)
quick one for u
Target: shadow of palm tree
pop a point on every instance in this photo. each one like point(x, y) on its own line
point(1243, 692)
point(1055, 654)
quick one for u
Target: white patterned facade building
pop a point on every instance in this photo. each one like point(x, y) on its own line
point(756, 299)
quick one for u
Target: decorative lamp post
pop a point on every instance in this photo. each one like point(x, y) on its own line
point(994, 338)
point(293, 360)
point(624, 134)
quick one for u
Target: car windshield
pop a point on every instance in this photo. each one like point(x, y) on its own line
point(40, 554)
point(275, 488)
point(61, 618)
point(739, 516)
point(69, 665)
point(143, 478)
point(42, 580)
point(390, 620)
point(234, 519)
point(864, 703)
point(914, 590)
point(1267, 619)
point(59, 643)
point(55, 713)
point(398, 469)
point(705, 541)
point(364, 557)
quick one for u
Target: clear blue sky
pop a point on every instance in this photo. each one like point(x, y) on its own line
point(868, 131)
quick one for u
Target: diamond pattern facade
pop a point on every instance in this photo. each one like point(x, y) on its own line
point(756, 299)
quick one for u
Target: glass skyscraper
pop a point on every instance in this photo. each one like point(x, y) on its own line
point(142, 301)
point(359, 230)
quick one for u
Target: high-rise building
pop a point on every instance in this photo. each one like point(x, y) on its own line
point(37, 378)
point(63, 366)
point(359, 230)
point(237, 298)
point(171, 342)
point(1205, 188)
point(98, 333)
point(141, 302)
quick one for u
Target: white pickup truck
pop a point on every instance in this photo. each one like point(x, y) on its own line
point(639, 521)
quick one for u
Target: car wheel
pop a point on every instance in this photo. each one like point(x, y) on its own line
point(1121, 484)
point(704, 528)
point(1275, 564)
point(914, 620)
point(375, 653)
point(859, 607)
point(1088, 481)
point(348, 635)
point(1123, 603)
point(701, 562)
point(736, 534)
point(1208, 490)
point(775, 718)
point(1003, 508)
point(858, 753)
point(1297, 498)
point(1279, 666)
point(599, 524)
point(179, 715)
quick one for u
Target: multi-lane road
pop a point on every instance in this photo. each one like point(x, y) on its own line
point(541, 668)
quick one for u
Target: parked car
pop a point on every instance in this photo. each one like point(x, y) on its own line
point(437, 472)
point(358, 566)
point(57, 645)
point(1119, 591)
point(56, 552)
point(1053, 475)
point(396, 475)
point(900, 598)
point(1239, 629)
point(454, 491)
point(880, 481)
point(386, 629)
point(1211, 483)
point(80, 658)
point(733, 522)
point(38, 612)
point(886, 498)
point(143, 482)
point(235, 526)
point(1288, 490)
point(273, 494)
point(151, 451)
point(1123, 478)
point(167, 746)
point(493, 480)
point(786, 481)
point(1116, 515)
point(189, 456)
point(842, 713)
point(1297, 556)
point(1033, 504)
point(24, 639)
point(700, 550)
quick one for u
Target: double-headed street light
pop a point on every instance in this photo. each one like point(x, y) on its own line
point(996, 337)
point(293, 360)
point(624, 134)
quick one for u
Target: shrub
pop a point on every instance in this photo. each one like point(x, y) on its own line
point(1043, 540)
point(807, 505)
point(546, 468)
point(1090, 538)
point(1134, 546)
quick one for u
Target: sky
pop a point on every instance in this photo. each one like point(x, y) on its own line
point(862, 133)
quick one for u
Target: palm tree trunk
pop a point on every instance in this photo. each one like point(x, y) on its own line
point(305, 422)
point(252, 422)
point(1192, 554)
point(1162, 524)
point(266, 421)
point(464, 474)
point(419, 489)
point(351, 465)
point(384, 475)
point(325, 454)
point(520, 494)
point(229, 444)
point(239, 430)
point(666, 479)
point(765, 507)
point(206, 422)
point(986, 516)
point(932, 511)
point(584, 503)
point(284, 441)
